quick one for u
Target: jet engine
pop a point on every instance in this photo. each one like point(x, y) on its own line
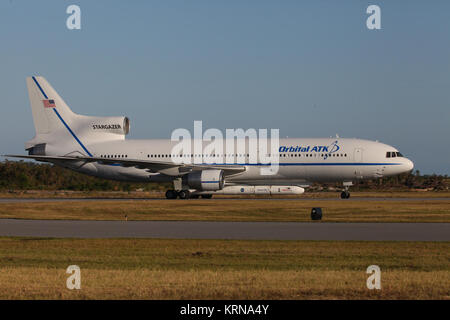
point(115, 125)
point(205, 180)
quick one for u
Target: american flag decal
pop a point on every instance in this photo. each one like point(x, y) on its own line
point(49, 103)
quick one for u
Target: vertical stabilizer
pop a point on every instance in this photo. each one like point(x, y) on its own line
point(44, 100)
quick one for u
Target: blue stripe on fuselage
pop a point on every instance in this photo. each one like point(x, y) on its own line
point(303, 164)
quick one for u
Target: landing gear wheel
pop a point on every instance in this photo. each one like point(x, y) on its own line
point(184, 194)
point(171, 194)
point(345, 195)
point(206, 196)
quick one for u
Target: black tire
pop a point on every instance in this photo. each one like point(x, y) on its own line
point(184, 194)
point(316, 214)
point(345, 195)
point(206, 196)
point(171, 194)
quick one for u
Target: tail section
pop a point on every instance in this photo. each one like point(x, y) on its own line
point(47, 106)
point(59, 131)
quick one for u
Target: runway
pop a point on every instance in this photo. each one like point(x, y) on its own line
point(24, 200)
point(226, 230)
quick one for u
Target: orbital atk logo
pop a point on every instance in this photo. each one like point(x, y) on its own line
point(325, 150)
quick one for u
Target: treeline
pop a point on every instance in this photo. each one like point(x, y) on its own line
point(407, 181)
point(413, 180)
point(21, 175)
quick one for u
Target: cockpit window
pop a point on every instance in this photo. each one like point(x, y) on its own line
point(393, 154)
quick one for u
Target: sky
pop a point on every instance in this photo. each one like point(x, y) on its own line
point(308, 68)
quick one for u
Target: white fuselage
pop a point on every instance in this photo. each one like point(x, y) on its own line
point(301, 161)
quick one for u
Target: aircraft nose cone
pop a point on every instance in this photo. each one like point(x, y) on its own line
point(409, 165)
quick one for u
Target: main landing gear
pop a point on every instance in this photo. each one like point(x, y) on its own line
point(185, 194)
point(171, 194)
point(182, 194)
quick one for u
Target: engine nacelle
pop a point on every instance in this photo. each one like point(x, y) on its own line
point(114, 125)
point(205, 180)
point(100, 129)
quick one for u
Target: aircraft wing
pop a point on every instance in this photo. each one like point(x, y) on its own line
point(164, 167)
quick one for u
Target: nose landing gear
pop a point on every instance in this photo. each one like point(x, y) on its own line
point(346, 194)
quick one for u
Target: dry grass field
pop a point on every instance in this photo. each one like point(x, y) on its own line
point(414, 210)
point(34, 268)
point(222, 269)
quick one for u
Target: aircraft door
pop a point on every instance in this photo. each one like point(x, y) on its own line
point(358, 157)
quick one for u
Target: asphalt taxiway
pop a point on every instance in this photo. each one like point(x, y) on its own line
point(226, 230)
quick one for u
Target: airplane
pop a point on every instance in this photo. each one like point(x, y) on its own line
point(97, 146)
